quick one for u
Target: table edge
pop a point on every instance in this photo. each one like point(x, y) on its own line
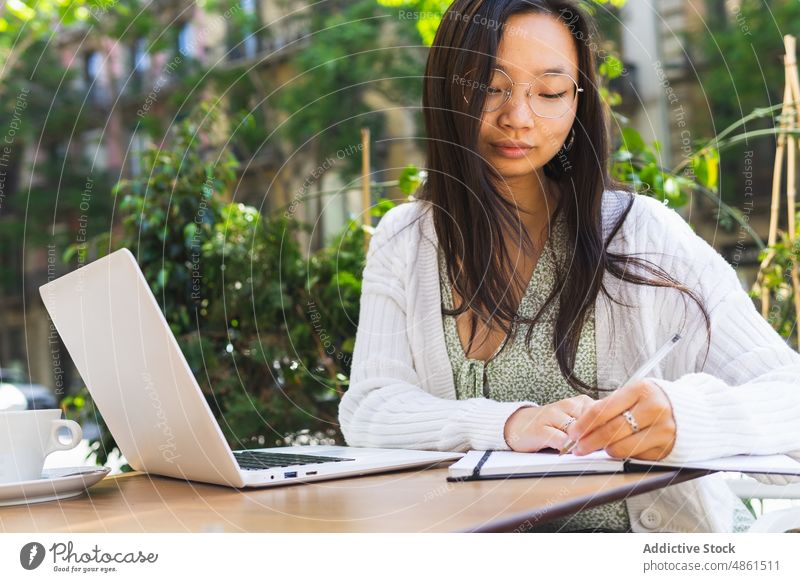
point(664, 479)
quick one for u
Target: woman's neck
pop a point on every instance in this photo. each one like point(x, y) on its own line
point(534, 198)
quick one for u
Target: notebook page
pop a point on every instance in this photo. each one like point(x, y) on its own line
point(510, 462)
point(782, 464)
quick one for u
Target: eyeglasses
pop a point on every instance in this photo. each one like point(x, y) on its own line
point(550, 95)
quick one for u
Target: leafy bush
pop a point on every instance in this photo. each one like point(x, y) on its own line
point(267, 331)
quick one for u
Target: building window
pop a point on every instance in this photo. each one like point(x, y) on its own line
point(140, 58)
point(93, 68)
point(243, 31)
point(10, 274)
point(94, 150)
point(250, 42)
point(186, 40)
point(137, 146)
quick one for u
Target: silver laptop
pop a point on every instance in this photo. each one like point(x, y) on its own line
point(142, 385)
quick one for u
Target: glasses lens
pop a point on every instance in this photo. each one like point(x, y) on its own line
point(494, 93)
point(552, 95)
point(497, 91)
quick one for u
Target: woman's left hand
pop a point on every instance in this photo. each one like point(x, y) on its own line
point(603, 426)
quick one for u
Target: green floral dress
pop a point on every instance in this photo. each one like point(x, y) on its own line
point(515, 373)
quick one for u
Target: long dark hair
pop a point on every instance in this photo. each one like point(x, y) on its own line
point(462, 187)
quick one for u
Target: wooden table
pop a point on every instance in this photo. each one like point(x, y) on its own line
point(406, 501)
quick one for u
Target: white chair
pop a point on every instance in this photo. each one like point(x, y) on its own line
point(784, 520)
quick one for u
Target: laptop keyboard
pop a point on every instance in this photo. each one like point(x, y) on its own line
point(255, 460)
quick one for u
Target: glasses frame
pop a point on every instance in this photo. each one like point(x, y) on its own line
point(510, 92)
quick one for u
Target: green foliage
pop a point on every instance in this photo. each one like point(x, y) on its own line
point(43, 113)
point(742, 69)
point(267, 331)
point(410, 179)
point(340, 73)
point(612, 3)
point(738, 46)
point(23, 22)
point(637, 164)
point(776, 278)
point(427, 14)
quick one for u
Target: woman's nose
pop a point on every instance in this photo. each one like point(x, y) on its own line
point(517, 110)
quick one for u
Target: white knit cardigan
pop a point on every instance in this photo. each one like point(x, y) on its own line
point(745, 398)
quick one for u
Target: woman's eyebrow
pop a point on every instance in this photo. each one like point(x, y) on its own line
point(556, 69)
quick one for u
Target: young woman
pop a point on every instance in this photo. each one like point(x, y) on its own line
point(507, 306)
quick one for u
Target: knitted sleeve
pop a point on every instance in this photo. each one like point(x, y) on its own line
point(745, 397)
point(385, 405)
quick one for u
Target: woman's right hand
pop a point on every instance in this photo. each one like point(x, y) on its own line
point(533, 428)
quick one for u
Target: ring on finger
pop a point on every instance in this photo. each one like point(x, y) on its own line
point(565, 426)
point(628, 415)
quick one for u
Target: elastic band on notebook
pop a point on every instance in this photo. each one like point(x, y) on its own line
point(476, 472)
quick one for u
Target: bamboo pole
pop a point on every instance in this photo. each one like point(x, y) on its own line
point(787, 145)
point(777, 172)
point(791, 170)
point(365, 193)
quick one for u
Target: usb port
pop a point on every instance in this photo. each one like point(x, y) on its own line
point(290, 474)
point(311, 473)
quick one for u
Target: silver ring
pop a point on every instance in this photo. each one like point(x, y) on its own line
point(565, 426)
point(631, 420)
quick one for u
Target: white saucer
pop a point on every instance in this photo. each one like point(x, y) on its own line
point(60, 483)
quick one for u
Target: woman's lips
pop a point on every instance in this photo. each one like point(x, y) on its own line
point(513, 152)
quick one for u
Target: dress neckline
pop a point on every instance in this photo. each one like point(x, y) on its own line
point(536, 275)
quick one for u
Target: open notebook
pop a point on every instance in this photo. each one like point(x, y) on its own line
point(505, 464)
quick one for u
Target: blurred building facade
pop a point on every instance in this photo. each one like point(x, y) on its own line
point(665, 99)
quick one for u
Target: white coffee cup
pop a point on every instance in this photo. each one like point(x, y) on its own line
point(27, 437)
